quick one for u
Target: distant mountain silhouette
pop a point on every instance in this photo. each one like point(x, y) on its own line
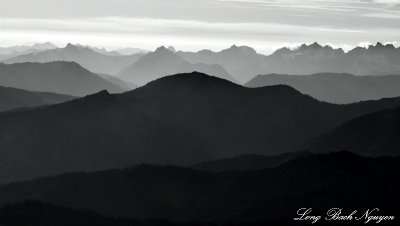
point(85, 56)
point(322, 182)
point(241, 62)
point(248, 162)
point(310, 59)
point(11, 98)
point(57, 77)
point(335, 88)
point(23, 48)
point(307, 59)
point(164, 62)
point(181, 119)
point(13, 51)
point(375, 134)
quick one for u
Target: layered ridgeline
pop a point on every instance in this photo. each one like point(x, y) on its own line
point(88, 58)
point(244, 63)
point(13, 51)
point(322, 182)
point(164, 62)
point(335, 88)
point(58, 77)
point(181, 119)
point(11, 98)
point(310, 59)
point(373, 134)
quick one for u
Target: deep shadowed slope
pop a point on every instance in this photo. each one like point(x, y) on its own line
point(318, 181)
point(88, 58)
point(164, 62)
point(34, 213)
point(181, 119)
point(373, 134)
point(57, 77)
point(11, 98)
point(335, 88)
point(248, 162)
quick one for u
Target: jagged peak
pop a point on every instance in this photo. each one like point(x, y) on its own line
point(162, 50)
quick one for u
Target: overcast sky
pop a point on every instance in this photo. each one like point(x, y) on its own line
point(198, 24)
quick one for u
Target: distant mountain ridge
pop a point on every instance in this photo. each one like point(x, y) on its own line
point(164, 62)
point(244, 63)
point(181, 119)
point(374, 60)
point(88, 58)
point(57, 77)
point(239, 63)
point(335, 88)
point(13, 51)
point(11, 98)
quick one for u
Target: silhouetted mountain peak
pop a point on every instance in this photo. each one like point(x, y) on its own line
point(245, 50)
point(162, 49)
point(71, 46)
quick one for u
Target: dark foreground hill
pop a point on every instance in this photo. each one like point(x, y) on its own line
point(58, 77)
point(11, 98)
point(181, 119)
point(320, 182)
point(373, 134)
point(335, 88)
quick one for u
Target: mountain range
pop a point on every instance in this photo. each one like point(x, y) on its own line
point(237, 63)
point(320, 181)
point(57, 77)
point(11, 98)
point(13, 51)
point(180, 119)
point(88, 58)
point(310, 59)
point(244, 63)
point(335, 88)
point(164, 62)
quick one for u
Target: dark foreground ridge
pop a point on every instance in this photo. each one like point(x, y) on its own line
point(320, 181)
point(181, 119)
